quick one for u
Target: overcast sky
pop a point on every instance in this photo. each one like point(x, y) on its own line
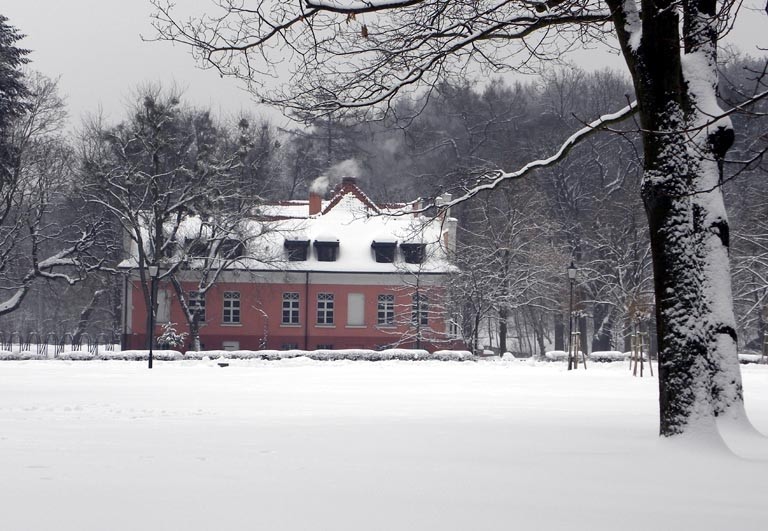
point(95, 46)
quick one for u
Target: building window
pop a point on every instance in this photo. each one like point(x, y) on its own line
point(231, 307)
point(197, 304)
point(291, 308)
point(384, 252)
point(170, 249)
point(289, 346)
point(413, 253)
point(385, 312)
point(454, 331)
point(324, 346)
point(419, 309)
point(356, 309)
point(296, 249)
point(231, 249)
point(196, 248)
point(326, 250)
point(325, 308)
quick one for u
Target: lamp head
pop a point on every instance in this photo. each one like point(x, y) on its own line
point(572, 271)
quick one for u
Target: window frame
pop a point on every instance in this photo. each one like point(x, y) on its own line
point(231, 312)
point(196, 304)
point(385, 309)
point(291, 308)
point(325, 309)
point(420, 309)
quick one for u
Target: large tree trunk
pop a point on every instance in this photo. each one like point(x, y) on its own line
point(698, 365)
point(560, 331)
point(699, 377)
point(685, 140)
point(503, 316)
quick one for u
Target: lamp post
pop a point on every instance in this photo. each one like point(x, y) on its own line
point(153, 271)
point(571, 277)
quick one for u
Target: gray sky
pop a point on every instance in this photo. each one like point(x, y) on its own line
point(96, 48)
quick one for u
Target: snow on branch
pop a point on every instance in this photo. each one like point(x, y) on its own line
point(360, 7)
point(494, 179)
point(72, 257)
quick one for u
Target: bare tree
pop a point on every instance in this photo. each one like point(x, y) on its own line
point(150, 173)
point(182, 189)
point(36, 241)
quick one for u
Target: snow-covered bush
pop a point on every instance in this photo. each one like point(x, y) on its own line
point(609, 355)
point(341, 354)
point(21, 355)
point(323, 355)
point(170, 338)
point(556, 355)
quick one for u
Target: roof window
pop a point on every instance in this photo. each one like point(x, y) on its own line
point(297, 250)
point(327, 249)
point(231, 248)
point(384, 251)
point(413, 253)
point(196, 248)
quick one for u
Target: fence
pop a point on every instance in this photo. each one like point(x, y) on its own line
point(51, 345)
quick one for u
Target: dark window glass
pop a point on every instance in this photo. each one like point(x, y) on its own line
point(231, 249)
point(326, 251)
point(384, 251)
point(413, 253)
point(297, 250)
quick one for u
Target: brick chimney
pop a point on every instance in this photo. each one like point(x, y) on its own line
point(416, 207)
point(315, 203)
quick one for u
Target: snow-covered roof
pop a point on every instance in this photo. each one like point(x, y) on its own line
point(350, 218)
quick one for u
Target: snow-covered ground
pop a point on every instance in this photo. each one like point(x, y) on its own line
point(304, 445)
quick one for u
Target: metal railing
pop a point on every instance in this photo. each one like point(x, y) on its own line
point(51, 344)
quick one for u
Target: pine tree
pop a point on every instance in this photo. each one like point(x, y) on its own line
point(13, 90)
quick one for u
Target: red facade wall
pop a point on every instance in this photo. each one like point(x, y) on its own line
point(261, 327)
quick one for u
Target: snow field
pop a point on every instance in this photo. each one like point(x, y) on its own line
point(306, 445)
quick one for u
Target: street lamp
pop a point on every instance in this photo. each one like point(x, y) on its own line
point(571, 277)
point(153, 271)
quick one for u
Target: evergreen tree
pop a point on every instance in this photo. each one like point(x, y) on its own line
point(13, 91)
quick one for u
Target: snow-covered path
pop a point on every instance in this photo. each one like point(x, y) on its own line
point(301, 445)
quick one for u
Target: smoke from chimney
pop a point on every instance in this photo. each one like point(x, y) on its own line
point(333, 175)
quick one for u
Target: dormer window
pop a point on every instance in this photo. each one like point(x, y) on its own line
point(231, 248)
point(170, 249)
point(384, 251)
point(327, 249)
point(297, 250)
point(196, 248)
point(413, 253)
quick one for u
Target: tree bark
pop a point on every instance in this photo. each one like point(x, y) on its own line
point(699, 377)
point(559, 332)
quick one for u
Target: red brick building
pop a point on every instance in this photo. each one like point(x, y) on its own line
point(332, 274)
